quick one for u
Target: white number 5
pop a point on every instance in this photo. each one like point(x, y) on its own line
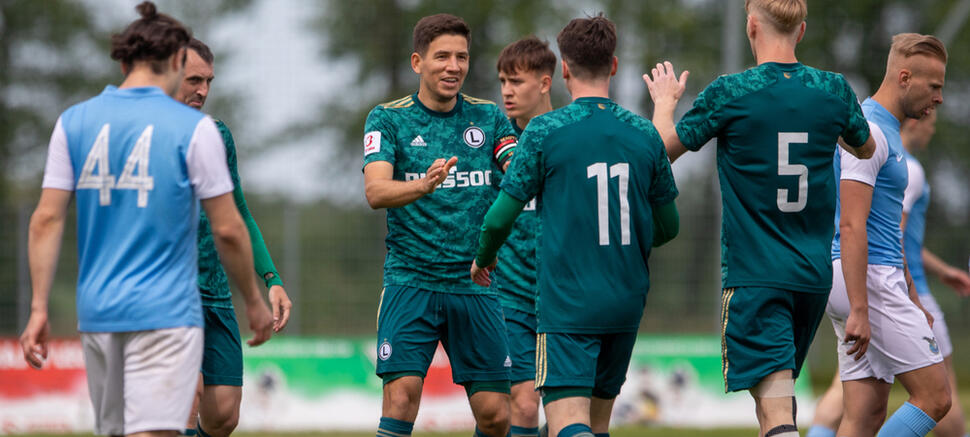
point(786, 169)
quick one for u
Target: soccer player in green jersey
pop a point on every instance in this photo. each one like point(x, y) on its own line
point(525, 69)
point(605, 196)
point(777, 126)
point(220, 382)
point(433, 159)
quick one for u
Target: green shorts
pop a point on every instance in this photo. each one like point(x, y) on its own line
point(765, 330)
point(222, 361)
point(598, 361)
point(520, 327)
point(411, 321)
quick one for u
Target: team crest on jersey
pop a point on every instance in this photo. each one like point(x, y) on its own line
point(384, 352)
point(474, 136)
point(418, 142)
point(934, 348)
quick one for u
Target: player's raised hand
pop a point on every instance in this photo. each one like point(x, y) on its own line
point(481, 274)
point(34, 339)
point(956, 279)
point(260, 322)
point(857, 333)
point(281, 304)
point(664, 85)
point(437, 173)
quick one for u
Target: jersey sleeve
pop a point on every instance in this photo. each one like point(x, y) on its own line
point(58, 172)
point(525, 176)
point(379, 137)
point(914, 189)
point(702, 122)
point(856, 130)
point(206, 161)
point(506, 141)
point(865, 170)
point(663, 189)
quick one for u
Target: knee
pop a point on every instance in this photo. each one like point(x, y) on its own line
point(940, 406)
point(494, 419)
point(400, 402)
point(526, 409)
point(221, 424)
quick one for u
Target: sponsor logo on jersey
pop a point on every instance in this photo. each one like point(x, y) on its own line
point(934, 348)
point(384, 352)
point(474, 137)
point(372, 142)
point(418, 142)
point(459, 179)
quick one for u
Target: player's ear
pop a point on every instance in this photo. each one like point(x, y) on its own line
point(752, 26)
point(416, 62)
point(545, 83)
point(905, 75)
point(801, 32)
point(565, 70)
point(613, 68)
point(125, 68)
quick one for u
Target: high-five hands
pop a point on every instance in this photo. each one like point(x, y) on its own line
point(665, 87)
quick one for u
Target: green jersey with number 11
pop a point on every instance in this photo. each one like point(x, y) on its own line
point(777, 127)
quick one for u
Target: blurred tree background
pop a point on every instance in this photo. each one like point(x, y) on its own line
point(329, 246)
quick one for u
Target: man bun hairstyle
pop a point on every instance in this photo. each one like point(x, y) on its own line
point(153, 38)
point(912, 44)
point(527, 54)
point(784, 15)
point(202, 50)
point(433, 26)
point(587, 46)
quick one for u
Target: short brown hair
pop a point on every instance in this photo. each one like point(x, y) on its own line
point(527, 54)
point(587, 46)
point(153, 38)
point(433, 26)
point(784, 15)
point(202, 50)
point(912, 44)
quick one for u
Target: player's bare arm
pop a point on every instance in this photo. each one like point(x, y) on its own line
point(856, 200)
point(864, 151)
point(665, 91)
point(383, 191)
point(235, 251)
point(44, 247)
point(953, 277)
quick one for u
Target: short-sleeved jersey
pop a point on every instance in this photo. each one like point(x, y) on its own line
point(777, 127)
point(430, 240)
point(138, 161)
point(886, 172)
point(597, 171)
point(515, 275)
point(916, 200)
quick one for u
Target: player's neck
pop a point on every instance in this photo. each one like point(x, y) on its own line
point(775, 50)
point(431, 102)
point(579, 89)
point(143, 77)
point(542, 108)
point(888, 99)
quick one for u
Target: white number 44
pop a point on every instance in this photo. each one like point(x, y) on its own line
point(104, 181)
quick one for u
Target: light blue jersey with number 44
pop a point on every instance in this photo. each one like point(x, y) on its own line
point(138, 161)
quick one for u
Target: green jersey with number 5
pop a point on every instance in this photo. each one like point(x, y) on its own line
point(596, 171)
point(777, 127)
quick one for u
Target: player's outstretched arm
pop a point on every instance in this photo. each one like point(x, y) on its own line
point(232, 242)
point(382, 191)
point(855, 200)
point(665, 91)
point(495, 229)
point(43, 249)
point(955, 278)
point(864, 151)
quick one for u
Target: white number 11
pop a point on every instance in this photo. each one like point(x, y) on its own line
point(622, 172)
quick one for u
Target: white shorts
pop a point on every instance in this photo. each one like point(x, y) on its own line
point(940, 330)
point(142, 380)
point(901, 339)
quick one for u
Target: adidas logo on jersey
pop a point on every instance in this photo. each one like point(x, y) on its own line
point(418, 141)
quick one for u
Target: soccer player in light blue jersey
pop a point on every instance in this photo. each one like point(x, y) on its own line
point(871, 288)
point(137, 162)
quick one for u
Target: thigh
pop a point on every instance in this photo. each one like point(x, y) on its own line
point(520, 329)
point(757, 335)
point(474, 338)
point(407, 330)
point(566, 360)
point(161, 373)
point(222, 361)
point(105, 368)
point(612, 363)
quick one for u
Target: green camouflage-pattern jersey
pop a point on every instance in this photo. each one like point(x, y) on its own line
point(515, 275)
point(431, 241)
point(596, 170)
point(213, 284)
point(777, 127)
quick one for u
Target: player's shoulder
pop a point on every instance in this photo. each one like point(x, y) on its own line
point(401, 103)
point(475, 101)
point(729, 87)
point(633, 119)
point(388, 112)
point(828, 81)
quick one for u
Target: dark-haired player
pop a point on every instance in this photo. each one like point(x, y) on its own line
point(605, 196)
point(431, 159)
point(138, 162)
point(525, 69)
point(777, 126)
point(219, 390)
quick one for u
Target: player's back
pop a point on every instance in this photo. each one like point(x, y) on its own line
point(777, 127)
point(603, 167)
point(137, 212)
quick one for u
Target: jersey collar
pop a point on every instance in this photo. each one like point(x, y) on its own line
point(880, 114)
point(432, 112)
point(134, 92)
